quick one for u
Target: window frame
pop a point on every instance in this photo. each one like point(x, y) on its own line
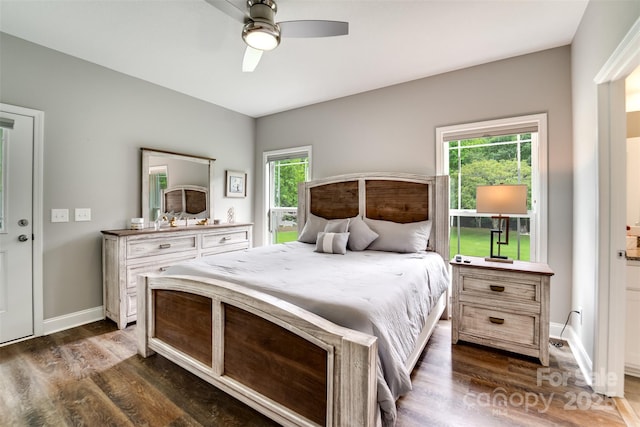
point(539, 157)
point(267, 158)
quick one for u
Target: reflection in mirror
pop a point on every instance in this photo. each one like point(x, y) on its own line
point(157, 184)
point(175, 185)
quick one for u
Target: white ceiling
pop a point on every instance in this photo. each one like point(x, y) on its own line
point(191, 47)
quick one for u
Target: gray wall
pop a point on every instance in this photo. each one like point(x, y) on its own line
point(393, 129)
point(96, 120)
point(603, 26)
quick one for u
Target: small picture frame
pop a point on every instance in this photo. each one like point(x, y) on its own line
point(236, 184)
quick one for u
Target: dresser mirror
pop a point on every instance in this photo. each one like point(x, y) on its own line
point(176, 185)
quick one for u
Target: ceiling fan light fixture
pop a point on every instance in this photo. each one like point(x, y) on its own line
point(261, 35)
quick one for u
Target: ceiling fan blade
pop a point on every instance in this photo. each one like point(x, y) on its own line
point(228, 8)
point(251, 58)
point(313, 28)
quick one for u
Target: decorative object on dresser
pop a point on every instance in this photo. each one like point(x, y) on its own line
point(128, 253)
point(501, 199)
point(505, 306)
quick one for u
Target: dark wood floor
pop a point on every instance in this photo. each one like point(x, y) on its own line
point(91, 375)
point(632, 392)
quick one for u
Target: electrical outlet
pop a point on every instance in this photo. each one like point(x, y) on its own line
point(83, 214)
point(59, 215)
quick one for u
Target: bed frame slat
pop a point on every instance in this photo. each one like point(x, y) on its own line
point(183, 321)
point(335, 201)
point(388, 201)
point(261, 354)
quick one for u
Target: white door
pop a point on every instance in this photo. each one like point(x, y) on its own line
point(16, 226)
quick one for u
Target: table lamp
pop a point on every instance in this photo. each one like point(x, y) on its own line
point(503, 199)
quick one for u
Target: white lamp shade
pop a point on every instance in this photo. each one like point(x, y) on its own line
point(501, 199)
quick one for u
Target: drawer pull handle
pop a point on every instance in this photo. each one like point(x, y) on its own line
point(225, 238)
point(163, 268)
point(165, 246)
point(496, 288)
point(496, 320)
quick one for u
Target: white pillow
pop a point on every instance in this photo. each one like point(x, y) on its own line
point(337, 226)
point(332, 243)
point(396, 237)
point(312, 227)
point(360, 235)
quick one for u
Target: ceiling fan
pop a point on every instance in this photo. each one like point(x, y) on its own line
point(261, 33)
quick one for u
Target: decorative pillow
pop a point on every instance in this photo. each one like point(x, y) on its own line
point(337, 226)
point(312, 227)
point(360, 235)
point(332, 243)
point(396, 237)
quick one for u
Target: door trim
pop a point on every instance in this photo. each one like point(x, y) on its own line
point(610, 295)
point(38, 163)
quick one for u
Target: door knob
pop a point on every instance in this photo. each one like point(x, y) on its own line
point(23, 238)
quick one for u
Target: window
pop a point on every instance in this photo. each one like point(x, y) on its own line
point(157, 183)
point(506, 151)
point(284, 169)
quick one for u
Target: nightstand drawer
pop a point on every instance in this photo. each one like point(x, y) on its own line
point(501, 287)
point(497, 325)
point(161, 246)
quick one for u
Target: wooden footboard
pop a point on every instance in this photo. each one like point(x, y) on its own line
point(295, 367)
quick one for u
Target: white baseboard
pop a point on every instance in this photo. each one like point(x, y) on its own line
point(71, 320)
point(633, 370)
point(578, 350)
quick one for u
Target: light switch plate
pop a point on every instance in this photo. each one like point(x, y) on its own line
point(83, 214)
point(59, 215)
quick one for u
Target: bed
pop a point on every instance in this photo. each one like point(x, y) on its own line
point(280, 354)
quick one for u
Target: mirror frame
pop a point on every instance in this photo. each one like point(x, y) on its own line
point(148, 152)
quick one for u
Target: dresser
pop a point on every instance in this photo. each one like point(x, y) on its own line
point(502, 305)
point(632, 325)
point(129, 253)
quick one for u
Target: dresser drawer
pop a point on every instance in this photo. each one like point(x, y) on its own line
point(497, 325)
point(500, 287)
point(138, 248)
point(223, 239)
point(133, 271)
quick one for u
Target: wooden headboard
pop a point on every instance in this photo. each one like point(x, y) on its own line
point(396, 197)
point(186, 199)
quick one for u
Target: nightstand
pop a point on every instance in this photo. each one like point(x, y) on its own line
point(502, 305)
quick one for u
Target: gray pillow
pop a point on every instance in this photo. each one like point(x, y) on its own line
point(312, 227)
point(396, 237)
point(360, 235)
point(332, 243)
point(337, 226)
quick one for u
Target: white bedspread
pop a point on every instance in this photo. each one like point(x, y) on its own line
point(388, 295)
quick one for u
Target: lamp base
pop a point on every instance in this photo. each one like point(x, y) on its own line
point(494, 259)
